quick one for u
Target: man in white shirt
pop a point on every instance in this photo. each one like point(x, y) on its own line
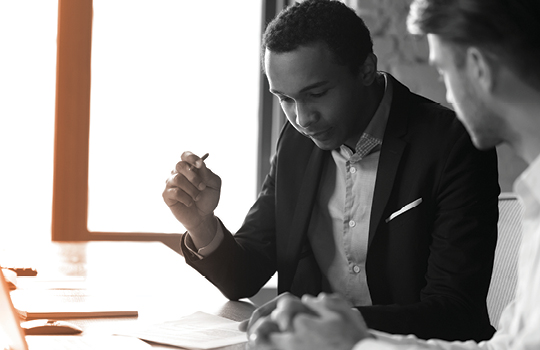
point(488, 54)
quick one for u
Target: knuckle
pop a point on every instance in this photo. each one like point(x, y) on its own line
point(182, 167)
point(186, 154)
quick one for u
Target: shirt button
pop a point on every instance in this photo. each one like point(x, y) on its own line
point(353, 170)
point(352, 223)
point(356, 268)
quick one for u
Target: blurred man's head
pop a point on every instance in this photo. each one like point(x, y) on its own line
point(484, 50)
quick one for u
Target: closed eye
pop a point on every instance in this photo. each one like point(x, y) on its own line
point(318, 94)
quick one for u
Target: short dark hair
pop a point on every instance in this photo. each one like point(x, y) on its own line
point(507, 29)
point(313, 21)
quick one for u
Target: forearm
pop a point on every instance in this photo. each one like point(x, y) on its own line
point(439, 317)
point(236, 272)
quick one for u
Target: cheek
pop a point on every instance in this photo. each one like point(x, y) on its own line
point(288, 109)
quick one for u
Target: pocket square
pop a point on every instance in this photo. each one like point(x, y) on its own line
point(404, 209)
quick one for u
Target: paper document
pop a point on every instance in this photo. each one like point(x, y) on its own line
point(196, 331)
point(69, 303)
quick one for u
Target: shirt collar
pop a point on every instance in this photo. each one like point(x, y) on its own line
point(374, 133)
point(377, 125)
point(527, 185)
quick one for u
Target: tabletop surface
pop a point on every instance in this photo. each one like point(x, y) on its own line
point(147, 276)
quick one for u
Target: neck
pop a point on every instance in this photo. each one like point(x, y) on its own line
point(523, 119)
point(518, 106)
point(375, 93)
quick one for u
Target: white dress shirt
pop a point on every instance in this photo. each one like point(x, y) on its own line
point(519, 326)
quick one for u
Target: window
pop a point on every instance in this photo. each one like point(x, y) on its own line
point(146, 108)
point(170, 76)
point(27, 89)
point(137, 53)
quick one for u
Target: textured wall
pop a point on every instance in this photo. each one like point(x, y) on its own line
point(406, 58)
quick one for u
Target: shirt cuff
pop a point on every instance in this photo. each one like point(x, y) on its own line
point(371, 343)
point(205, 251)
point(386, 341)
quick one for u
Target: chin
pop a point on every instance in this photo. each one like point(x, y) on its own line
point(325, 146)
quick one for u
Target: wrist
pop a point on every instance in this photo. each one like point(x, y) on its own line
point(204, 233)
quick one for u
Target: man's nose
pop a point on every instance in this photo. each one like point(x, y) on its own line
point(305, 115)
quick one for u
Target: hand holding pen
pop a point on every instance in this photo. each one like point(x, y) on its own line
point(191, 167)
point(192, 193)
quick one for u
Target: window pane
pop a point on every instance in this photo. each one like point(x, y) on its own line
point(170, 76)
point(27, 94)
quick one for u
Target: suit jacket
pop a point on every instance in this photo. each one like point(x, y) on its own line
point(428, 269)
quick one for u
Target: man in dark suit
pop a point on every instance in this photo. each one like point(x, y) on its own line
point(374, 193)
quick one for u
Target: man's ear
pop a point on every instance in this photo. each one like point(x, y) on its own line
point(368, 71)
point(481, 69)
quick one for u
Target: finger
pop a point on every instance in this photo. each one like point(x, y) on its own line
point(328, 304)
point(199, 163)
point(282, 341)
point(180, 189)
point(266, 309)
point(195, 169)
point(341, 305)
point(207, 177)
point(193, 160)
point(331, 301)
point(169, 196)
point(183, 168)
point(243, 326)
point(261, 331)
point(287, 309)
point(174, 196)
point(262, 311)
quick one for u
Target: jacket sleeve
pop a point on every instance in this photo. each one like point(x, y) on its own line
point(245, 261)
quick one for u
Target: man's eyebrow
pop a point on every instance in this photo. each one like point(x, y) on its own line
point(309, 87)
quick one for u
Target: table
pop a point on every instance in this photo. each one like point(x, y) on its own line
point(147, 275)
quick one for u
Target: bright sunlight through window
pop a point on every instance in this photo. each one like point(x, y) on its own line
point(170, 76)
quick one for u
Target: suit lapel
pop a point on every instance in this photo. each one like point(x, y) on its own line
point(386, 174)
point(301, 217)
point(391, 152)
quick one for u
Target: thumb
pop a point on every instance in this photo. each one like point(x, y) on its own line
point(243, 326)
point(207, 176)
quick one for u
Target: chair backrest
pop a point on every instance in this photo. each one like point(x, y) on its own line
point(504, 278)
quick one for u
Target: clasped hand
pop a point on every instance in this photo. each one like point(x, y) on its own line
point(310, 323)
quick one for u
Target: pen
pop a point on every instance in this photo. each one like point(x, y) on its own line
point(202, 159)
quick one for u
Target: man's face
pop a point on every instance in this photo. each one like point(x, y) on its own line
point(463, 93)
point(321, 99)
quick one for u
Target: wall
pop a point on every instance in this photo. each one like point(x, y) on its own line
point(406, 58)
